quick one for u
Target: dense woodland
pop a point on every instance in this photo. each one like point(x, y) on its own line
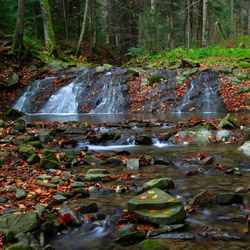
point(127, 27)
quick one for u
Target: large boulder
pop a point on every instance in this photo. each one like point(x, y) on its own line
point(13, 113)
point(96, 174)
point(20, 223)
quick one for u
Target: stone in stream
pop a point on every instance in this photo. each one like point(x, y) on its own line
point(202, 198)
point(27, 238)
point(45, 138)
point(88, 208)
point(162, 161)
point(202, 136)
point(76, 130)
point(158, 207)
point(19, 223)
point(162, 183)
point(228, 198)
point(74, 217)
point(96, 174)
point(93, 160)
point(131, 237)
point(115, 160)
point(13, 113)
point(143, 140)
point(58, 198)
point(133, 164)
point(223, 134)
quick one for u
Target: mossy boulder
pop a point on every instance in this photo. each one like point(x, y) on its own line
point(20, 127)
point(47, 164)
point(25, 152)
point(8, 234)
point(190, 72)
point(244, 65)
point(20, 223)
point(155, 79)
point(13, 113)
point(149, 244)
point(33, 159)
point(229, 122)
point(18, 246)
point(242, 75)
point(226, 69)
point(45, 138)
point(46, 152)
point(35, 144)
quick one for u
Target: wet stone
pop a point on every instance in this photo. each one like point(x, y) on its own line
point(77, 184)
point(133, 165)
point(59, 198)
point(143, 140)
point(228, 198)
point(241, 190)
point(162, 161)
point(162, 183)
point(91, 159)
point(18, 246)
point(20, 194)
point(45, 138)
point(88, 208)
point(131, 237)
point(96, 174)
point(202, 198)
point(74, 217)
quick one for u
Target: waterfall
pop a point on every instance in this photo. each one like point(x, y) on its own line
point(201, 95)
point(112, 97)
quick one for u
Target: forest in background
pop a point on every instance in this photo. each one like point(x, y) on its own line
point(125, 27)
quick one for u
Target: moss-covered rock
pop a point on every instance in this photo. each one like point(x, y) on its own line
point(33, 159)
point(149, 244)
point(244, 65)
point(47, 164)
point(25, 152)
point(36, 144)
point(18, 246)
point(162, 183)
point(20, 127)
point(13, 113)
point(96, 174)
point(229, 122)
point(91, 159)
point(155, 79)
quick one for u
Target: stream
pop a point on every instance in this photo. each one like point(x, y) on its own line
point(98, 232)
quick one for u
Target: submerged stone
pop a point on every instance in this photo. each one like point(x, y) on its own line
point(74, 217)
point(149, 244)
point(202, 198)
point(96, 174)
point(88, 208)
point(91, 159)
point(133, 164)
point(131, 237)
point(162, 183)
point(228, 198)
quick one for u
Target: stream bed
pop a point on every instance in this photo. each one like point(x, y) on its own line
point(189, 175)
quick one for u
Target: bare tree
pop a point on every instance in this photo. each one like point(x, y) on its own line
point(204, 23)
point(18, 36)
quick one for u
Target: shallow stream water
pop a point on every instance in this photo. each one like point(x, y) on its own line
point(98, 234)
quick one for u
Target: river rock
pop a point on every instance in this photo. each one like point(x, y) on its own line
point(33, 159)
point(36, 144)
point(149, 244)
point(20, 194)
point(59, 198)
point(143, 140)
point(202, 198)
point(55, 66)
point(82, 192)
point(234, 80)
point(228, 198)
point(162, 161)
point(91, 159)
point(115, 160)
point(20, 127)
point(245, 148)
point(88, 208)
point(27, 238)
point(20, 222)
point(152, 199)
point(8, 235)
point(162, 183)
point(133, 164)
point(1, 123)
point(96, 174)
point(74, 217)
point(47, 164)
point(45, 138)
point(226, 69)
point(13, 113)
point(131, 237)
point(202, 136)
point(76, 130)
point(222, 134)
point(25, 152)
point(18, 246)
point(242, 75)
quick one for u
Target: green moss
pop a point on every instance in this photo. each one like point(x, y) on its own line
point(155, 79)
point(244, 65)
point(149, 244)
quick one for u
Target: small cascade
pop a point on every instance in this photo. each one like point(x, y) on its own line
point(26, 102)
point(201, 95)
point(112, 98)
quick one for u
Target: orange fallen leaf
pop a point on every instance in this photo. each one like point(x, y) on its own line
point(171, 200)
point(143, 197)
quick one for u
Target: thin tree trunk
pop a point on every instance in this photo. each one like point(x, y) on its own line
point(18, 36)
point(65, 22)
point(196, 22)
point(248, 23)
point(232, 18)
point(35, 20)
point(49, 35)
point(204, 23)
point(171, 8)
point(94, 24)
point(110, 28)
point(155, 38)
point(189, 24)
point(83, 27)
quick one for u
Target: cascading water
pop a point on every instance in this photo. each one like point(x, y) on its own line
point(201, 95)
point(113, 100)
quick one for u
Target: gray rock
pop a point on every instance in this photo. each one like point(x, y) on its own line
point(8, 235)
point(14, 79)
point(25, 152)
point(27, 238)
point(226, 69)
point(75, 218)
point(115, 160)
point(76, 130)
point(77, 184)
point(55, 66)
point(228, 198)
point(19, 223)
point(59, 198)
point(202, 136)
point(96, 174)
point(190, 72)
point(242, 75)
point(45, 138)
point(20, 127)
point(222, 134)
point(133, 164)
point(91, 159)
point(162, 183)
point(20, 194)
point(49, 185)
point(234, 80)
point(82, 192)
point(100, 69)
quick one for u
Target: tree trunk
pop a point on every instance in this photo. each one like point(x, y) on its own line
point(204, 23)
point(65, 21)
point(18, 36)
point(83, 27)
point(155, 37)
point(111, 25)
point(189, 24)
point(49, 35)
point(248, 23)
point(232, 18)
point(171, 9)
